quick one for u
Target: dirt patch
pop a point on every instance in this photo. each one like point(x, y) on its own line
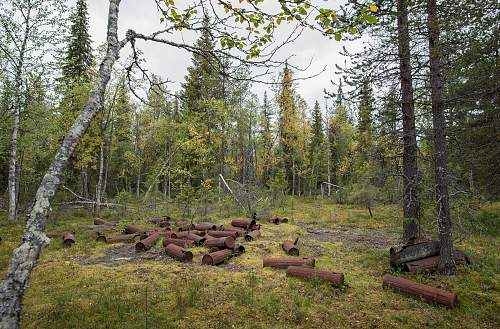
point(372, 238)
point(127, 254)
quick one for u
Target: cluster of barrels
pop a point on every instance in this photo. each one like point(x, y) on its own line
point(221, 241)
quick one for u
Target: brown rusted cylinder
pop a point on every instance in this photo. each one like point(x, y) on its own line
point(178, 242)
point(183, 227)
point(281, 219)
point(226, 242)
point(287, 262)
point(239, 230)
point(167, 234)
point(68, 239)
point(431, 263)
point(239, 248)
point(100, 221)
point(163, 223)
point(290, 248)
point(428, 293)
point(409, 253)
point(179, 253)
point(129, 229)
point(243, 222)
point(273, 220)
point(223, 234)
point(252, 235)
point(118, 238)
point(309, 273)
point(217, 257)
point(205, 227)
point(255, 227)
point(147, 243)
point(199, 240)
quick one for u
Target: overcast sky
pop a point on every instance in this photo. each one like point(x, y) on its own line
point(142, 16)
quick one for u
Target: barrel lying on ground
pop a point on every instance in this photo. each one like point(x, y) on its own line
point(309, 273)
point(217, 257)
point(179, 253)
point(239, 230)
point(100, 221)
point(147, 243)
point(178, 242)
point(199, 240)
point(290, 248)
point(130, 229)
point(278, 220)
point(287, 262)
point(227, 242)
point(204, 227)
point(223, 234)
point(68, 239)
point(252, 235)
point(428, 293)
point(244, 223)
point(408, 253)
point(118, 238)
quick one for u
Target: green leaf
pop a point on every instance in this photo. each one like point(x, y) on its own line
point(338, 36)
point(371, 19)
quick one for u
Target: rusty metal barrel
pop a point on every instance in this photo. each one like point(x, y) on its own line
point(183, 227)
point(131, 228)
point(239, 248)
point(179, 253)
point(204, 227)
point(100, 221)
point(178, 242)
point(428, 293)
point(223, 234)
point(309, 273)
point(279, 220)
point(217, 257)
point(239, 230)
point(252, 235)
point(290, 248)
point(243, 222)
point(68, 239)
point(408, 253)
point(199, 240)
point(118, 238)
point(227, 242)
point(147, 243)
point(287, 262)
point(167, 234)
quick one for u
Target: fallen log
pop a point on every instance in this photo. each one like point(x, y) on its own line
point(408, 253)
point(427, 293)
point(309, 273)
point(68, 239)
point(223, 234)
point(252, 235)
point(147, 243)
point(217, 257)
point(100, 221)
point(179, 253)
point(118, 238)
point(226, 242)
point(287, 262)
point(178, 242)
point(243, 222)
point(290, 247)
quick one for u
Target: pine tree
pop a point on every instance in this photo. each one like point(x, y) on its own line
point(317, 151)
point(267, 140)
point(78, 59)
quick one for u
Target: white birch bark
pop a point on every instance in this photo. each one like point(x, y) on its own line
point(25, 256)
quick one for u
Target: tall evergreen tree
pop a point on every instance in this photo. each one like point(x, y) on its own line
point(317, 151)
point(267, 140)
point(78, 59)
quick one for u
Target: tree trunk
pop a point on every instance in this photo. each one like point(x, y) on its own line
point(446, 262)
point(98, 189)
point(85, 181)
point(13, 169)
point(25, 257)
point(410, 169)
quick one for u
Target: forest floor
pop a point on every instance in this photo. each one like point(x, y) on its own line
point(94, 285)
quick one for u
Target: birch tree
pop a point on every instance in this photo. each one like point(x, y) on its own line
point(29, 33)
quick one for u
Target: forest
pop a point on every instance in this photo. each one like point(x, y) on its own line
point(387, 179)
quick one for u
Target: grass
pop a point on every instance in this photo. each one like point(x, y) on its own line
point(63, 293)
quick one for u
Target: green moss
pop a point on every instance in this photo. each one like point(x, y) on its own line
point(65, 294)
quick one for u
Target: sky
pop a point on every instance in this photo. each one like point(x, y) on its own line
point(171, 63)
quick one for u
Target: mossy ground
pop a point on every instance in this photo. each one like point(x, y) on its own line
point(65, 293)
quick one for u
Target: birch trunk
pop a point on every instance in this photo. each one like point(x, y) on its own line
point(98, 189)
point(410, 169)
point(446, 261)
point(24, 258)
